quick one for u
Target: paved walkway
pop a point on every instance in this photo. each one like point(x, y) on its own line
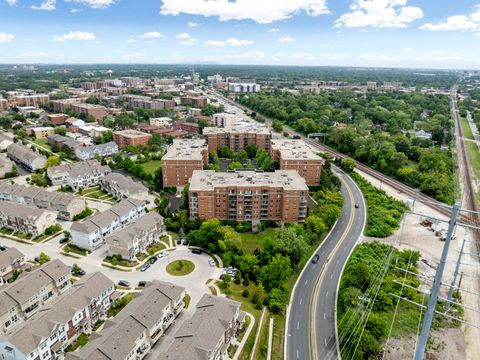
point(257, 335)
point(245, 336)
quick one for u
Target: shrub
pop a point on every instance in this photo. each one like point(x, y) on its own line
point(245, 293)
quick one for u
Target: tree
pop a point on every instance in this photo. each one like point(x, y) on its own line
point(235, 165)
point(348, 164)
point(289, 242)
point(53, 161)
point(43, 258)
point(275, 274)
point(76, 269)
point(60, 130)
point(39, 180)
point(251, 151)
point(315, 224)
point(277, 126)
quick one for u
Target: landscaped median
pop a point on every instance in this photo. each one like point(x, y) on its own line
point(180, 267)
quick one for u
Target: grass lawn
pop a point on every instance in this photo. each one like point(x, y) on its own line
point(124, 263)
point(180, 267)
point(156, 246)
point(467, 131)
point(174, 236)
point(6, 231)
point(81, 341)
point(250, 242)
point(119, 305)
point(22, 235)
point(151, 166)
point(43, 143)
point(70, 248)
point(474, 155)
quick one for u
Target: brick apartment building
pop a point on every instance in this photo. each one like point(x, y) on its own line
point(296, 155)
point(195, 101)
point(224, 120)
point(248, 196)
point(236, 138)
point(192, 128)
point(31, 100)
point(131, 137)
point(57, 119)
point(97, 111)
point(182, 158)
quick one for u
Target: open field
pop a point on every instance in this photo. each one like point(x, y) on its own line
point(151, 166)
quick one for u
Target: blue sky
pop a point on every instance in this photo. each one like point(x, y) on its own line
point(387, 33)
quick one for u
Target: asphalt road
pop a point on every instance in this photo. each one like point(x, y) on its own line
point(312, 311)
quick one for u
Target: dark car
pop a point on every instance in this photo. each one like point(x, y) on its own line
point(142, 283)
point(315, 259)
point(196, 251)
point(179, 242)
point(3, 248)
point(297, 137)
point(63, 241)
point(81, 272)
point(356, 206)
point(153, 260)
point(124, 283)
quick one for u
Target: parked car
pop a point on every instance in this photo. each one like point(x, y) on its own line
point(142, 283)
point(145, 267)
point(81, 272)
point(124, 283)
point(211, 262)
point(3, 248)
point(196, 251)
point(179, 242)
point(163, 254)
point(63, 240)
point(315, 259)
point(184, 242)
point(153, 260)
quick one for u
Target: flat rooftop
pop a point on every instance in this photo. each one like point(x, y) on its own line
point(209, 179)
point(186, 149)
point(131, 133)
point(293, 150)
point(254, 129)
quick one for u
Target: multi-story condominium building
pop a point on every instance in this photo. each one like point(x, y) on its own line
point(90, 234)
point(25, 218)
point(60, 141)
point(78, 175)
point(41, 132)
point(161, 121)
point(132, 333)
point(192, 128)
point(46, 335)
point(97, 111)
point(6, 166)
point(215, 79)
point(11, 260)
point(236, 138)
point(208, 333)
point(66, 205)
point(296, 155)
point(90, 85)
point(243, 87)
point(145, 102)
point(137, 236)
point(3, 104)
point(32, 100)
point(90, 152)
point(195, 101)
point(224, 120)
point(248, 196)
point(26, 157)
point(25, 297)
point(131, 137)
point(57, 119)
point(122, 187)
point(182, 158)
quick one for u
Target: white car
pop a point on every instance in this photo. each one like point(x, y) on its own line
point(211, 262)
point(163, 254)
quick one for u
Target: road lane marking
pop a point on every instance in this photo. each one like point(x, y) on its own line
point(326, 295)
point(298, 354)
point(306, 282)
point(324, 316)
point(325, 340)
point(301, 299)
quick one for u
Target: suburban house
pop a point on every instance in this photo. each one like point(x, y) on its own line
point(46, 335)
point(26, 157)
point(137, 236)
point(133, 332)
point(66, 205)
point(25, 218)
point(91, 233)
point(25, 297)
point(90, 152)
point(6, 166)
point(5, 141)
point(121, 187)
point(78, 175)
point(11, 260)
point(208, 333)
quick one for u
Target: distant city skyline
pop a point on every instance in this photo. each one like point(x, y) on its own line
point(373, 33)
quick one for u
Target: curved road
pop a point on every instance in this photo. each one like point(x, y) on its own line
point(311, 313)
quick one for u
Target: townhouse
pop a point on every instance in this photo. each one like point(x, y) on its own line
point(296, 155)
point(181, 159)
point(26, 157)
point(66, 205)
point(133, 332)
point(248, 195)
point(208, 333)
point(122, 187)
point(46, 335)
point(5, 141)
point(137, 236)
point(237, 137)
point(78, 175)
point(6, 166)
point(11, 260)
point(25, 218)
point(61, 141)
point(102, 150)
point(90, 234)
point(28, 295)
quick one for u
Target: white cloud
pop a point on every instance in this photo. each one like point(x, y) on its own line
point(4, 37)
point(265, 11)
point(407, 50)
point(131, 40)
point(437, 52)
point(189, 42)
point(151, 35)
point(96, 4)
point(193, 24)
point(40, 53)
point(74, 11)
point(274, 30)
point(183, 36)
point(215, 43)
point(237, 42)
point(47, 5)
point(457, 22)
point(379, 13)
point(11, 2)
point(286, 39)
point(75, 36)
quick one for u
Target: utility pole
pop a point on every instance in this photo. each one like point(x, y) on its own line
point(454, 279)
point(432, 300)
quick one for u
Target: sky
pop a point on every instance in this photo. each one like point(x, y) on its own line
point(375, 33)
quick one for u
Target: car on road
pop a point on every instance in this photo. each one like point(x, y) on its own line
point(124, 283)
point(142, 283)
point(296, 137)
point(211, 262)
point(3, 248)
point(145, 267)
point(63, 240)
point(153, 260)
point(356, 206)
point(196, 251)
point(179, 242)
point(163, 254)
point(315, 259)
